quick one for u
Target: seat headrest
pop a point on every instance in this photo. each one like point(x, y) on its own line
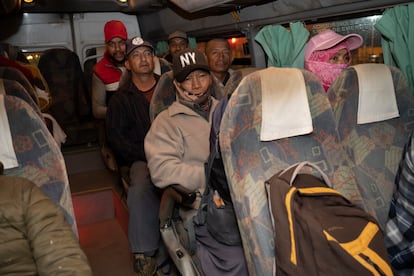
point(377, 100)
point(285, 106)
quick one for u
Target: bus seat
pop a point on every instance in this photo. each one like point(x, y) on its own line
point(235, 78)
point(40, 85)
point(12, 73)
point(164, 95)
point(14, 88)
point(71, 105)
point(375, 145)
point(36, 156)
point(161, 66)
point(250, 160)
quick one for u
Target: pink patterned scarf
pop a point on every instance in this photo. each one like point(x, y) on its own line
point(318, 63)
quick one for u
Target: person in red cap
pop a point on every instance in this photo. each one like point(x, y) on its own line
point(107, 72)
point(105, 80)
point(328, 53)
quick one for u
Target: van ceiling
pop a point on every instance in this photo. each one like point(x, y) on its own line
point(209, 7)
point(188, 9)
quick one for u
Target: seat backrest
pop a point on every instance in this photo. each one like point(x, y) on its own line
point(62, 70)
point(37, 156)
point(235, 79)
point(375, 146)
point(164, 93)
point(12, 73)
point(249, 161)
point(71, 106)
point(14, 88)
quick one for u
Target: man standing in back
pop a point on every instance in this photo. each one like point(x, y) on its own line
point(219, 59)
point(177, 41)
point(127, 123)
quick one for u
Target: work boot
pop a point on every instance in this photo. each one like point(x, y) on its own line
point(145, 266)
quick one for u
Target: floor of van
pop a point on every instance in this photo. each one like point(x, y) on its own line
point(100, 211)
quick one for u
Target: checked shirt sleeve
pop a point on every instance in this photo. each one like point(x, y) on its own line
point(399, 230)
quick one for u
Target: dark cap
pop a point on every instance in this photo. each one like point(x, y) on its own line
point(135, 42)
point(177, 34)
point(115, 28)
point(186, 61)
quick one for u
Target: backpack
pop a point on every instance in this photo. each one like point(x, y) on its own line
point(317, 231)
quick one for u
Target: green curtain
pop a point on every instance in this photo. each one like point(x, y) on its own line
point(397, 35)
point(161, 48)
point(284, 48)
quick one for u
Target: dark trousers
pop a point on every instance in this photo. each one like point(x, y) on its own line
point(143, 204)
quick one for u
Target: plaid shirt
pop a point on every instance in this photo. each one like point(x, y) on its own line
point(399, 230)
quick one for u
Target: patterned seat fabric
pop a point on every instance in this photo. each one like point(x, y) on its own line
point(249, 162)
point(39, 157)
point(12, 73)
point(71, 105)
point(235, 79)
point(14, 88)
point(375, 148)
point(164, 93)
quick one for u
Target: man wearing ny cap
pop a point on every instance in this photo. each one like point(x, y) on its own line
point(177, 144)
point(127, 123)
point(177, 41)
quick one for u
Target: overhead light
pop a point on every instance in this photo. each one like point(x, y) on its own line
point(123, 1)
point(28, 1)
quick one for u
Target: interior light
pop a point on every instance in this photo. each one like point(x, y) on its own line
point(28, 1)
point(233, 40)
point(123, 1)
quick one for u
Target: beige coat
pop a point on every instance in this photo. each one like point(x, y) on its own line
point(177, 146)
point(35, 239)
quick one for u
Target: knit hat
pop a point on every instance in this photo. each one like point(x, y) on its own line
point(135, 42)
point(328, 39)
point(177, 34)
point(186, 61)
point(115, 28)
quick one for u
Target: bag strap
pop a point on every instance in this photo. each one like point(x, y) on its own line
point(298, 167)
point(200, 217)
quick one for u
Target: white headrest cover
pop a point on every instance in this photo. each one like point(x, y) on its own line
point(7, 154)
point(285, 107)
point(377, 101)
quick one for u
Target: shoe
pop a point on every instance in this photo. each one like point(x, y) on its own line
point(145, 266)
